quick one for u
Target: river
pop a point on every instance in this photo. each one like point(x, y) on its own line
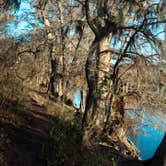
point(148, 131)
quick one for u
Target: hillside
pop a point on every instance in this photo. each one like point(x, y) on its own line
point(48, 133)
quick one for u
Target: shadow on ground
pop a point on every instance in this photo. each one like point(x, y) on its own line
point(30, 136)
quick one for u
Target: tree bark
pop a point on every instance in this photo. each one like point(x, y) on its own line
point(101, 97)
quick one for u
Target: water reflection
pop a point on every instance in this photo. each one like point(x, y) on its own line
point(77, 98)
point(149, 130)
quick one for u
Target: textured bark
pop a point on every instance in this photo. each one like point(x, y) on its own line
point(90, 69)
point(104, 109)
point(103, 83)
point(117, 117)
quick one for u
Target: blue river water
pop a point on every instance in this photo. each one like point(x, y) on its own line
point(149, 132)
point(149, 129)
point(148, 143)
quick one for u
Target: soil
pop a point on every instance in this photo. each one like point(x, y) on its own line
point(22, 136)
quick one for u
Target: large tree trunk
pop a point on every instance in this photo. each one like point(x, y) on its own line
point(62, 81)
point(103, 83)
point(90, 70)
point(102, 103)
point(57, 80)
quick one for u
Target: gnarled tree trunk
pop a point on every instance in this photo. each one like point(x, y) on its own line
point(102, 103)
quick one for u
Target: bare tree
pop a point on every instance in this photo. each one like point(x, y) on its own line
point(109, 20)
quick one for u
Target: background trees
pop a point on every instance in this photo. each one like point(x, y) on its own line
point(95, 46)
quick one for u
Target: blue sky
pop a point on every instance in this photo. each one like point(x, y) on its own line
point(23, 23)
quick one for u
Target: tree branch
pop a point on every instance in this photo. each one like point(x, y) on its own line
point(89, 20)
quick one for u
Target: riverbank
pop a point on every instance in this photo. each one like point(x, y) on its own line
point(42, 132)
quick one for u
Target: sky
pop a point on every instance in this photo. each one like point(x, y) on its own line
point(23, 23)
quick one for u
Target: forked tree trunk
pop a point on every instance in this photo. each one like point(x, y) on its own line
point(103, 82)
point(101, 92)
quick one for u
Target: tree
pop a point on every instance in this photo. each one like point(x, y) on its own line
point(126, 32)
point(111, 20)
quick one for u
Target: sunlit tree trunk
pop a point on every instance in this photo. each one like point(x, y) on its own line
point(101, 79)
point(103, 82)
point(62, 81)
point(56, 85)
point(102, 103)
point(104, 109)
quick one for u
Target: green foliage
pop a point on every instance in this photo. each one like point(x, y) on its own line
point(99, 92)
point(64, 144)
point(103, 85)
